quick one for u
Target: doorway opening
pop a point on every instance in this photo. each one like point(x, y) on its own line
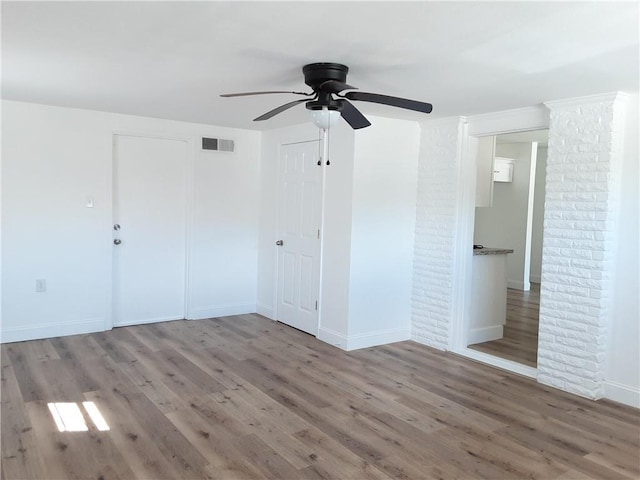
point(508, 226)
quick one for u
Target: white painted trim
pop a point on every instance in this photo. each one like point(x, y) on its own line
point(110, 257)
point(148, 320)
point(364, 340)
point(533, 155)
point(609, 97)
point(498, 362)
point(509, 121)
point(495, 123)
point(485, 334)
point(190, 224)
point(381, 337)
point(266, 311)
point(222, 311)
point(463, 254)
point(332, 338)
point(519, 285)
point(51, 330)
point(622, 393)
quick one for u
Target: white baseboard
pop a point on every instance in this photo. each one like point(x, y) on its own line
point(51, 330)
point(332, 337)
point(221, 311)
point(266, 311)
point(622, 393)
point(364, 340)
point(518, 285)
point(486, 334)
point(148, 320)
point(381, 337)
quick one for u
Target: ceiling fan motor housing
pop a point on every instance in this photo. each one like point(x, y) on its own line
point(315, 74)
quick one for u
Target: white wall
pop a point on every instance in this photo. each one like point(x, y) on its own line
point(622, 371)
point(367, 233)
point(504, 224)
point(383, 231)
point(54, 158)
point(538, 216)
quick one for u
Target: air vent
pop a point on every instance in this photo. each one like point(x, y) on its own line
point(218, 144)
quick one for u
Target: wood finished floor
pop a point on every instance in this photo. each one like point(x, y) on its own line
point(520, 340)
point(244, 397)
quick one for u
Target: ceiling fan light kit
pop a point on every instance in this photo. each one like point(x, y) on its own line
point(328, 102)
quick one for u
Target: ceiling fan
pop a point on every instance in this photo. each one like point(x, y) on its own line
point(328, 81)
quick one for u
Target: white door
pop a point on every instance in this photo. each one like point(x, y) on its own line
point(299, 231)
point(149, 233)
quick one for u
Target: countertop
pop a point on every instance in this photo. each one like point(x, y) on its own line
point(492, 251)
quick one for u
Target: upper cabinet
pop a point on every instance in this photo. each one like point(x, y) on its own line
point(485, 148)
point(503, 169)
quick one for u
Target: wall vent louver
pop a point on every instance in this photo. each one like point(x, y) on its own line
point(218, 144)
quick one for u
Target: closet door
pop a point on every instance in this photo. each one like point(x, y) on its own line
point(149, 232)
point(300, 205)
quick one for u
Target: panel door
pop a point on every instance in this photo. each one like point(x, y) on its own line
point(299, 227)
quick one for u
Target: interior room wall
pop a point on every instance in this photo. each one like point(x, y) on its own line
point(367, 234)
point(504, 224)
point(53, 160)
point(622, 371)
point(538, 216)
point(383, 230)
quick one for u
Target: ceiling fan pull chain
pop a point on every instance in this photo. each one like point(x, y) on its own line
point(319, 149)
point(327, 143)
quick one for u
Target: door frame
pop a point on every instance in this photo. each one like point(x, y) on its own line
point(519, 120)
point(189, 214)
point(321, 226)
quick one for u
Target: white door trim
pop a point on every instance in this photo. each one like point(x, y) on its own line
point(190, 167)
point(525, 119)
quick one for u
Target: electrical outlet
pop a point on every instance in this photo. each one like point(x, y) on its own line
point(41, 285)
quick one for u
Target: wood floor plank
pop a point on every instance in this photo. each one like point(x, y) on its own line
point(243, 397)
point(20, 456)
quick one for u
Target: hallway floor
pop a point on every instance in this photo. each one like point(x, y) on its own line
point(520, 340)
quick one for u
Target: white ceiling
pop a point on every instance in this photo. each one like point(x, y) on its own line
point(173, 59)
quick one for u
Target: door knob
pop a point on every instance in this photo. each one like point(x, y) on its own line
point(279, 243)
point(117, 241)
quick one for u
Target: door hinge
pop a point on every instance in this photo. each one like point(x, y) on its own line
point(318, 234)
point(316, 304)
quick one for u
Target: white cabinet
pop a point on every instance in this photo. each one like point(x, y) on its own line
point(485, 148)
point(503, 169)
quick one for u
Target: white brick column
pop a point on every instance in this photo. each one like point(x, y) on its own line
point(583, 172)
point(436, 228)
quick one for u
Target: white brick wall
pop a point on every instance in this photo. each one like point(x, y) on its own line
point(583, 171)
point(437, 207)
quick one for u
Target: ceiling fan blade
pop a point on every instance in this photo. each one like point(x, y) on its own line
point(244, 94)
point(280, 109)
point(353, 116)
point(333, 86)
point(388, 100)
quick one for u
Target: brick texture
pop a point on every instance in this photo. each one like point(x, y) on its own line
point(433, 278)
point(583, 172)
